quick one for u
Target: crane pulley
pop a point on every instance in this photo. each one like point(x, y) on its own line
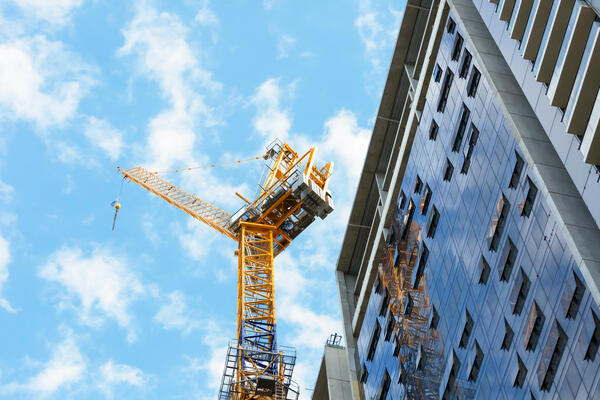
point(293, 194)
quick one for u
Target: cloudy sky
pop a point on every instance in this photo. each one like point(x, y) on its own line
point(146, 311)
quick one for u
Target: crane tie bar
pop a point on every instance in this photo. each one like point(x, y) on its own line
point(209, 165)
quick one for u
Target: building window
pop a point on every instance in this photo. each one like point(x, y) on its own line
point(592, 350)
point(364, 374)
point(530, 199)
point(556, 340)
point(533, 328)
point(498, 222)
point(451, 27)
point(384, 303)
point(516, 175)
point(408, 306)
point(425, 200)
point(477, 361)
point(389, 328)
point(508, 336)
point(462, 126)
point(378, 286)
point(434, 319)
point(466, 334)
point(449, 389)
point(465, 65)
point(402, 200)
point(571, 299)
point(469, 151)
point(374, 341)
point(448, 171)
point(485, 271)
point(458, 43)
point(418, 274)
point(407, 220)
point(433, 131)
point(521, 374)
point(396, 347)
point(385, 387)
point(509, 261)
point(473, 82)
point(448, 78)
point(433, 223)
point(437, 73)
point(418, 185)
point(520, 292)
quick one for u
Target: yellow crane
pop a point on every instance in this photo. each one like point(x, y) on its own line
point(294, 193)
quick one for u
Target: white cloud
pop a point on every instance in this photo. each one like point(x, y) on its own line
point(113, 374)
point(378, 29)
point(6, 192)
point(97, 285)
point(53, 11)
point(176, 314)
point(271, 121)
point(4, 261)
point(205, 16)
point(103, 135)
point(41, 81)
point(284, 46)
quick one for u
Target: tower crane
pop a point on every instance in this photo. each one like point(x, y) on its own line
point(294, 192)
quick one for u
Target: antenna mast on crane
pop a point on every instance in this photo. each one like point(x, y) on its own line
point(293, 194)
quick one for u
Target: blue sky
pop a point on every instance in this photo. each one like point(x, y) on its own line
point(146, 311)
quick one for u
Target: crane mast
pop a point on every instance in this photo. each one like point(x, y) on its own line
point(291, 196)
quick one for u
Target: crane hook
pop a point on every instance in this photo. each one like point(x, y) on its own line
point(117, 206)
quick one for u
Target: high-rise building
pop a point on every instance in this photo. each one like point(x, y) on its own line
point(470, 266)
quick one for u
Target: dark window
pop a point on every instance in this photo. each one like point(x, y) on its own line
point(477, 361)
point(516, 175)
point(384, 303)
point(558, 338)
point(531, 194)
point(374, 341)
point(469, 151)
point(408, 307)
point(425, 200)
point(433, 223)
point(572, 296)
point(448, 171)
point(385, 387)
point(448, 78)
point(473, 82)
point(533, 328)
point(485, 271)
point(520, 292)
point(521, 374)
point(592, 350)
point(389, 328)
point(418, 185)
point(437, 73)
point(449, 389)
point(407, 221)
point(451, 26)
point(466, 334)
point(396, 347)
point(434, 319)
point(462, 126)
point(509, 261)
point(418, 274)
point(458, 43)
point(378, 286)
point(508, 336)
point(433, 131)
point(466, 64)
point(498, 222)
point(364, 374)
point(402, 200)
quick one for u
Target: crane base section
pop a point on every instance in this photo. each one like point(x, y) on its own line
point(271, 378)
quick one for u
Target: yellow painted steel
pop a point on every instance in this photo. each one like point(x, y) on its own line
point(260, 236)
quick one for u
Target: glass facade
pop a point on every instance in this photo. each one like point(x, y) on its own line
point(485, 299)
